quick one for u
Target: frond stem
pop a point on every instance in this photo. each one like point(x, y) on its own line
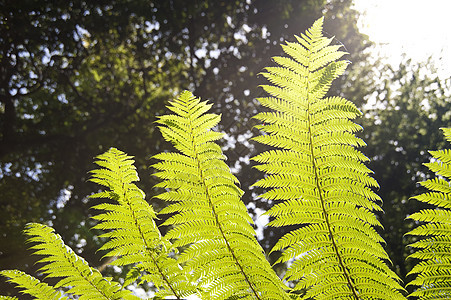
point(326, 215)
point(148, 247)
point(85, 278)
point(217, 219)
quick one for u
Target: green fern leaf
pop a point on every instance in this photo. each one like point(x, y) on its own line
point(133, 235)
point(61, 262)
point(433, 273)
point(320, 177)
point(208, 216)
point(32, 286)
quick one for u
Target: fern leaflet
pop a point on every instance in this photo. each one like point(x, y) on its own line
point(208, 215)
point(433, 273)
point(60, 261)
point(319, 175)
point(32, 286)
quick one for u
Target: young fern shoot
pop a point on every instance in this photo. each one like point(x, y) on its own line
point(319, 176)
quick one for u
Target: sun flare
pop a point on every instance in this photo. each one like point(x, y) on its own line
point(417, 28)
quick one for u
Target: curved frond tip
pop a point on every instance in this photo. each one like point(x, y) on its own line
point(31, 286)
point(60, 261)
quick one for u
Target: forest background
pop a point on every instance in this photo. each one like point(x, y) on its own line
point(79, 77)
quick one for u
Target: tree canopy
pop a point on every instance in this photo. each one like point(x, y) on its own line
point(403, 118)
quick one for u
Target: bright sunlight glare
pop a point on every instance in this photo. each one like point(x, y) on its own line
point(417, 28)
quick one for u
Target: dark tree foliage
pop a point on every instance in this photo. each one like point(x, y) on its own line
point(402, 121)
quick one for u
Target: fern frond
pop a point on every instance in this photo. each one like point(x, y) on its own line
point(133, 235)
point(320, 177)
point(31, 286)
point(208, 217)
point(433, 273)
point(60, 261)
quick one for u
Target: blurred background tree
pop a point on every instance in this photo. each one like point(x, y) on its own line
point(403, 117)
point(78, 77)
